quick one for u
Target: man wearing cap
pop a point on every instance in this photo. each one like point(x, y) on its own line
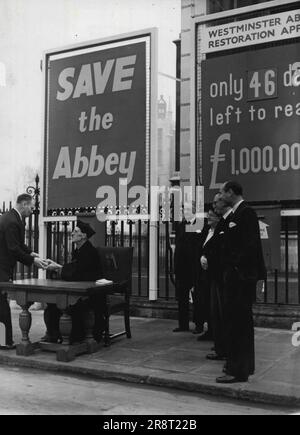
point(85, 266)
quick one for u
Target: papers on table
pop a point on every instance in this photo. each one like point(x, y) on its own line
point(103, 282)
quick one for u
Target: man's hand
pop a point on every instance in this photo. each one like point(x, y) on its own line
point(34, 255)
point(204, 263)
point(39, 263)
point(51, 265)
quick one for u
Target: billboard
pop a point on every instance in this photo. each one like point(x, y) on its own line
point(250, 123)
point(96, 121)
point(237, 34)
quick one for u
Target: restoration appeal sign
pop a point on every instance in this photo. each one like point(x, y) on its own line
point(96, 122)
point(251, 122)
point(260, 30)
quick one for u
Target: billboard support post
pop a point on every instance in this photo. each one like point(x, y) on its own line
point(43, 213)
point(153, 242)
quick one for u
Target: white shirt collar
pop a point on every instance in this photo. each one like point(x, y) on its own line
point(19, 214)
point(225, 216)
point(210, 235)
point(234, 209)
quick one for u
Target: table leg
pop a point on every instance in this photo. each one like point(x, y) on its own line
point(65, 353)
point(89, 323)
point(25, 348)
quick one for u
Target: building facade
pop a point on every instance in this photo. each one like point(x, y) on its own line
point(239, 118)
point(165, 141)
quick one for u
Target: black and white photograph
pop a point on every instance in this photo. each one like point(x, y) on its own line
point(149, 210)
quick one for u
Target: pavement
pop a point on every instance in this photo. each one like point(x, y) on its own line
point(155, 356)
point(44, 393)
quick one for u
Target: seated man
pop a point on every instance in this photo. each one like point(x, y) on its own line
point(85, 266)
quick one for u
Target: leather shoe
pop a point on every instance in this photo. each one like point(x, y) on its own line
point(230, 380)
point(215, 357)
point(180, 330)
point(197, 331)
point(204, 337)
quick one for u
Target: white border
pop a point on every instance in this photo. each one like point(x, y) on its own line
point(198, 19)
point(290, 213)
point(91, 47)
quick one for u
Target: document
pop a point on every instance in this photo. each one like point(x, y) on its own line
point(103, 282)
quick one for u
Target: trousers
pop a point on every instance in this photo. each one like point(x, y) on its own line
point(5, 313)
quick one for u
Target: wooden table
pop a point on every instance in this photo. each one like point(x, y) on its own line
point(63, 294)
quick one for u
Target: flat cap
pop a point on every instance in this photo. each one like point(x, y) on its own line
point(86, 229)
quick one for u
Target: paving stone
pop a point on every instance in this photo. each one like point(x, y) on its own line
point(156, 356)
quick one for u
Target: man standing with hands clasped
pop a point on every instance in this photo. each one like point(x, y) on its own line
point(13, 249)
point(243, 267)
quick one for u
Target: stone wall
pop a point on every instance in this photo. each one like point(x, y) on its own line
point(265, 316)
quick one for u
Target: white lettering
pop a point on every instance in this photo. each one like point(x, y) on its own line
point(63, 165)
point(111, 166)
point(93, 79)
point(130, 168)
point(65, 84)
point(84, 83)
point(81, 164)
point(123, 72)
point(96, 159)
point(101, 78)
point(94, 164)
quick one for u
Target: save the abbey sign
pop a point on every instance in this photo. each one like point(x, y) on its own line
point(96, 121)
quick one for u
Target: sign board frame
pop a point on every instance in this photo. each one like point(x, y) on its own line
point(85, 51)
point(152, 34)
point(241, 34)
point(234, 133)
point(205, 20)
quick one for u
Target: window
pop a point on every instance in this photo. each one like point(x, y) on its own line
point(215, 6)
point(160, 146)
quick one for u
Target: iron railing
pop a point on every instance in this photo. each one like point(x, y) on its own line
point(281, 287)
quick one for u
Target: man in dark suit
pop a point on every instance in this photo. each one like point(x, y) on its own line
point(205, 273)
point(185, 263)
point(13, 249)
point(200, 302)
point(215, 268)
point(243, 267)
point(85, 266)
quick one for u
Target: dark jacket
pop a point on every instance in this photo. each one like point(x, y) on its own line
point(243, 248)
point(210, 251)
point(185, 258)
point(215, 251)
point(12, 246)
point(85, 265)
